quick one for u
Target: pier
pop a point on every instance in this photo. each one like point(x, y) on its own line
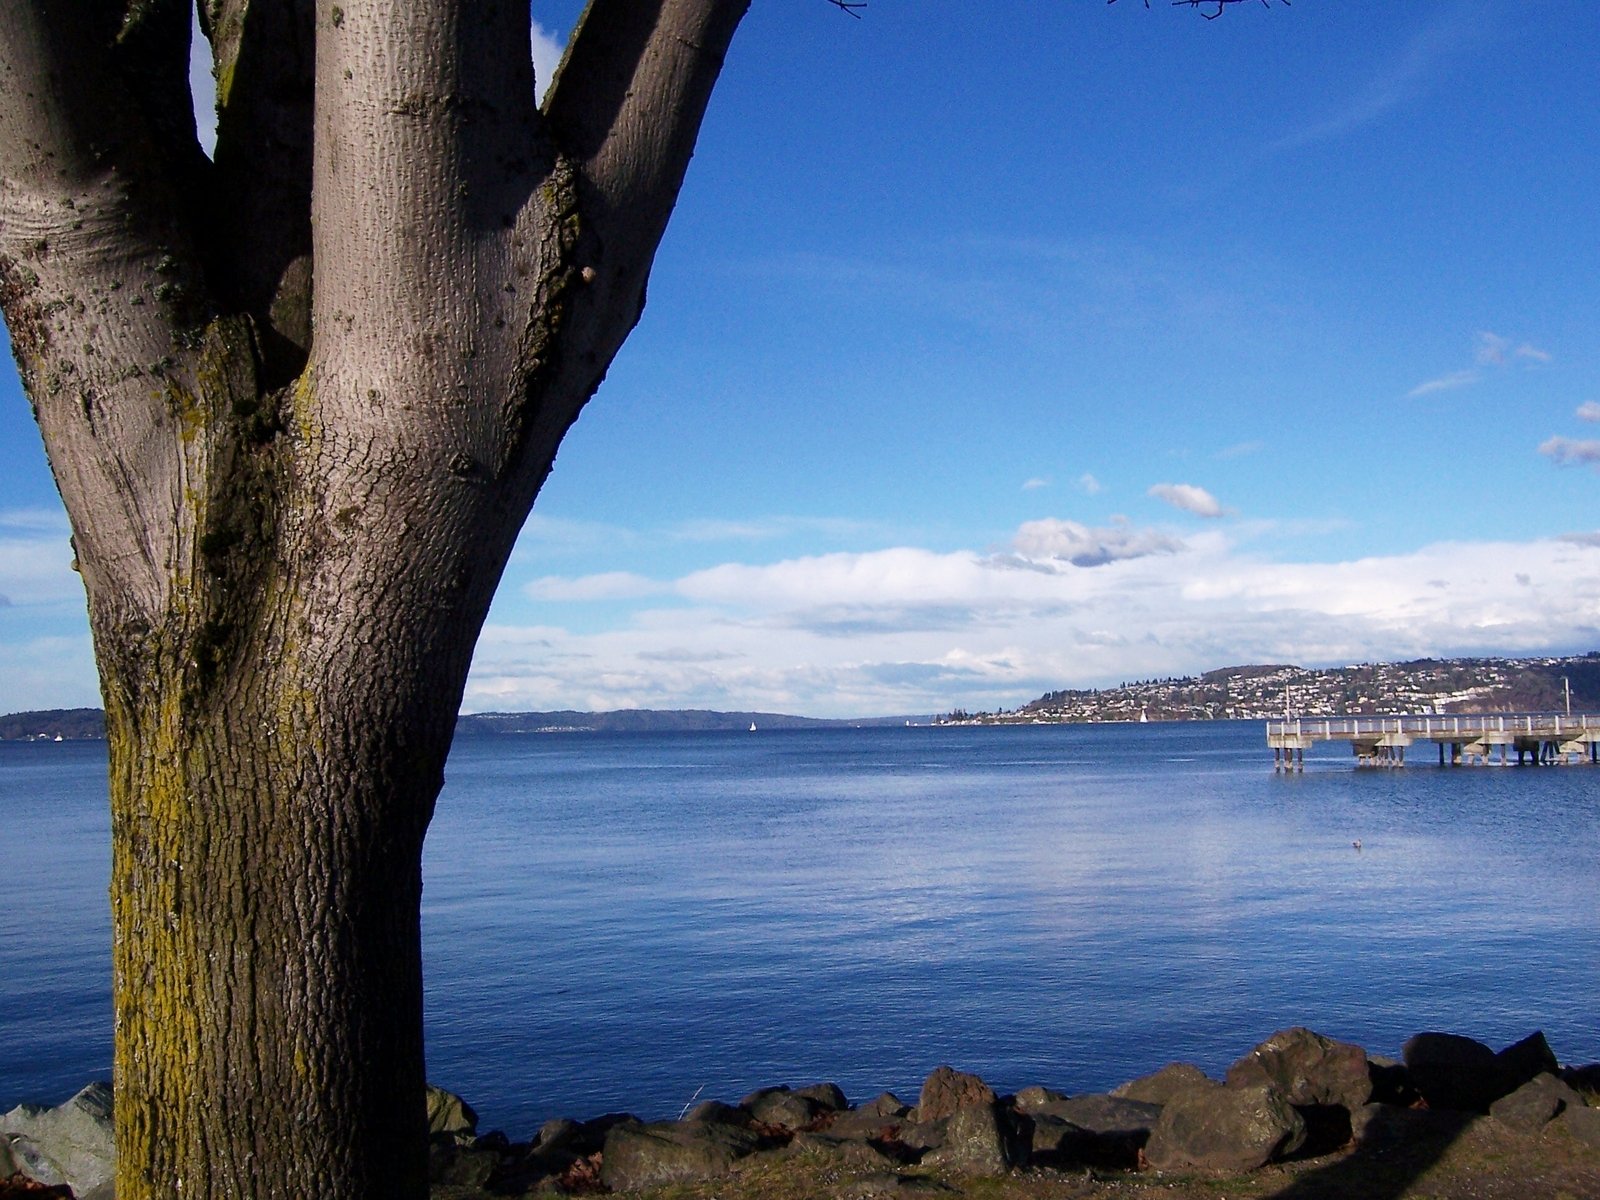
point(1537, 739)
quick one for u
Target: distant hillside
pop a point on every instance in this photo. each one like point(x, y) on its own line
point(49, 724)
point(1446, 685)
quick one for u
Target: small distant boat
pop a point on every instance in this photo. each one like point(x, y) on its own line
point(1144, 717)
point(752, 726)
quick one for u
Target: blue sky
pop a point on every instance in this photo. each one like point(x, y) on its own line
point(998, 348)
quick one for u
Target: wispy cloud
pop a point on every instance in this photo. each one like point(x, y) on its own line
point(608, 585)
point(1410, 73)
point(50, 522)
point(1494, 350)
point(36, 559)
point(1240, 450)
point(1491, 352)
point(1572, 452)
point(1444, 383)
point(1089, 485)
point(1035, 484)
point(1188, 498)
point(1589, 410)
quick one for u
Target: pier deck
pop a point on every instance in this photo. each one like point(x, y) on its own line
point(1543, 739)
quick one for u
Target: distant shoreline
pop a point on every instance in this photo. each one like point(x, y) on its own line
point(1246, 693)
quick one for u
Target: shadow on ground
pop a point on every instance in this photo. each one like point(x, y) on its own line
point(1397, 1147)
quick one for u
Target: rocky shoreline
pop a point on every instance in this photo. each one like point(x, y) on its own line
point(1297, 1095)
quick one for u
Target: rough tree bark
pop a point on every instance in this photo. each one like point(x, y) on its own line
point(298, 402)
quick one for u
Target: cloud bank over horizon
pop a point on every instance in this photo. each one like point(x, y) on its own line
point(910, 630)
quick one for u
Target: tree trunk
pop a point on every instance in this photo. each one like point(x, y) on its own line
point(297, 430)
point(268, 985)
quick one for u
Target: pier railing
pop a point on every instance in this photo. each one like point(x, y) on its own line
point(1436, 727)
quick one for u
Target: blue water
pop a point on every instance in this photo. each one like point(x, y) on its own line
point(622, 921)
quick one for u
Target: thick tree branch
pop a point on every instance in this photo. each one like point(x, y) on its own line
point(626, 107)
point(94, 238)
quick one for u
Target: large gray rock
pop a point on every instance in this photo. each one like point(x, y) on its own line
point(1171, 1082)
point(878, 1118)
point(829, 1096)
point(1526, 1060)
point(977, 1141)
point(718, 1113)
point(1535, 1104)
point(1102, 1131)
point(640, 1156)
point(1309, 1069)
point(70, 1144)
point(1582, 1124)
point(782, 1108)
point(1225, 1129)
point(885, 1104)
point(459, 1165)
point(450, 1115)
point(1584, 1079)
point(1453, 1072)
point(1031, 1098)
point(946, 1091)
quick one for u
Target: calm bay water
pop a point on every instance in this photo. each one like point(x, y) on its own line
point(622, 921)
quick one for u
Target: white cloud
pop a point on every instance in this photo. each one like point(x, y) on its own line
point(1090, 485)
point(36, 559)
point(908, 630)
point(1571, 452)
point(1589, 410)
point(1083, 546)
point(1189, 498)
point(202, 87)
point(1035, 484)
point(1444, 383)
point(547, 53)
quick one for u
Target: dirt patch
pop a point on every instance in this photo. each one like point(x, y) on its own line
point(1479, 1160)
